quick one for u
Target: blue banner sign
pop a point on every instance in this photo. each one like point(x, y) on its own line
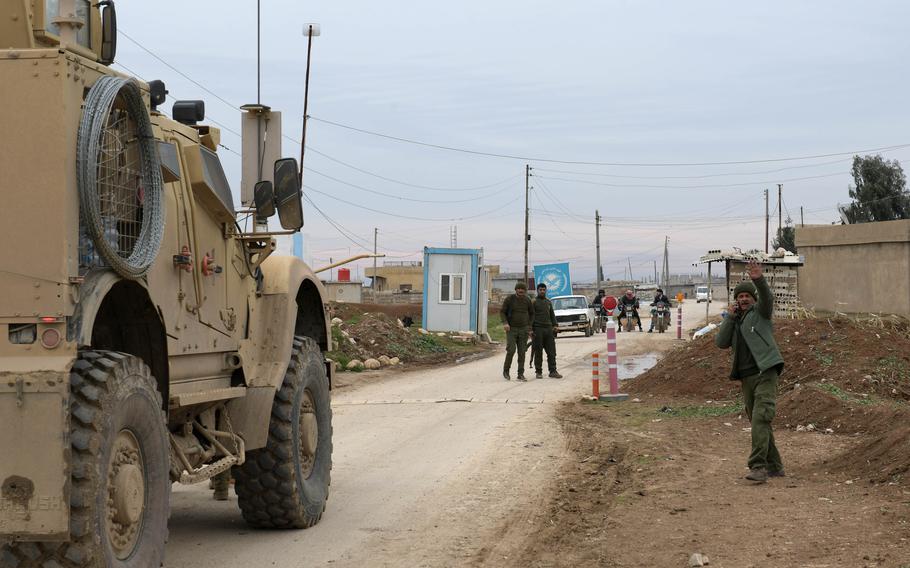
point(556, 277)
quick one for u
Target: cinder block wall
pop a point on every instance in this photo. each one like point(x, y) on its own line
point(856, 269)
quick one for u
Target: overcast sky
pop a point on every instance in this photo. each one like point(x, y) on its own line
point(629, 82)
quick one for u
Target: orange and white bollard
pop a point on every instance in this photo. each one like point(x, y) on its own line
point(612, 365)
point(595, 375)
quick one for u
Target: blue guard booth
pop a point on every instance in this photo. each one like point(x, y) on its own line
point(455, 290)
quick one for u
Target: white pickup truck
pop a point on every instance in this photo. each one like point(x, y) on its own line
point(702, 294)
point(573, 313)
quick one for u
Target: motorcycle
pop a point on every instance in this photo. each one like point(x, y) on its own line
point(660, 317)
point(629, 316)
point(600, 318)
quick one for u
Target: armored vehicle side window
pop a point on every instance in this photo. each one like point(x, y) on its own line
point(215, 178)
point(83, 12)
point(170, 166)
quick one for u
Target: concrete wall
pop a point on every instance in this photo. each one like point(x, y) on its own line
point(351, 292)
point(862, 268)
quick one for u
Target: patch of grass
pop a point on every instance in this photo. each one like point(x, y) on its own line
point(429, 344)
point(842, 394)
point(892, 366)
point(707, 411)
point(497, 333)
point(824, 358)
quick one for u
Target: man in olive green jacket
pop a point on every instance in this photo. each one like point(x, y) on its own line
point(757, 363)
point(516, 314)
point(543, 330)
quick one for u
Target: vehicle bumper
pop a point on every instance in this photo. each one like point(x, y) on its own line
point(34, 445)
point(578, 326)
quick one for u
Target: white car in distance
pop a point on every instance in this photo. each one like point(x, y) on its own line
point(573, 313)
point(702, 294)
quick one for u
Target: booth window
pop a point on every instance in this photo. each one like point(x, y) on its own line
point(451, 289)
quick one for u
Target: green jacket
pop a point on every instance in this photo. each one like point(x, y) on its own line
point(757, 331)
point(544, 316)
point(517, 312)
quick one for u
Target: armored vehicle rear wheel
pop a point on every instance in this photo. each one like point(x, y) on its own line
point(119, 488)
point(286, 483)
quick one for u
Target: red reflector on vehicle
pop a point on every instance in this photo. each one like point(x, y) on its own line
point(50, 338)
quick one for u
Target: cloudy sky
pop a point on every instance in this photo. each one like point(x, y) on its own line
point(627, 107)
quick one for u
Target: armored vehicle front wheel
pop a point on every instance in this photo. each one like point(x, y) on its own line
point(286, 483)
point(119, 488)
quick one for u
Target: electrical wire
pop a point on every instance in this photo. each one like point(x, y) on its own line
point(341, 230)
point(704, 186)
point(357, 205)
point(399, 197)
point(580, 162)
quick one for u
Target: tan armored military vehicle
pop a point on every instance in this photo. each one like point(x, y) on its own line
point(146, 337)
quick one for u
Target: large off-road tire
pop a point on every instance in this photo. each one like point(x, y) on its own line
point(120, 490)
point(286, 484)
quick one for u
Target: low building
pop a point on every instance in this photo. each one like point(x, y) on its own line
point(780, 270)
point(345, 292)
point(398, 276)
point(455, 290)
point(856, 269)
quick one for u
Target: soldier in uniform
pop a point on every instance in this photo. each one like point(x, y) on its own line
point(543, 332)
point(516, 314)
point(757, 363)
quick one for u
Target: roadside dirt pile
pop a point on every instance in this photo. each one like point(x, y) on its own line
point(368, 331)
point(840, 376)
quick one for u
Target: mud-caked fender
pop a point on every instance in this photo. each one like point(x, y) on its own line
point(292, 302)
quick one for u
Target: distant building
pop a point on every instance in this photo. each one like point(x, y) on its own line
point(345, 292)
point(398, 276)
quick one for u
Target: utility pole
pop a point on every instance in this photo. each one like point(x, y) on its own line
point(665, 275)
point(597, 241)
point(375, 248)
point(801, 224)
point(655, 272)
point(527, 237)
point(780, 208)
point(629, 260)
point(453, 236)
point(767, 220)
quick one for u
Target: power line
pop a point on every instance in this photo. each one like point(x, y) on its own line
point(705, 186)
point(418, 186)
point(580, 162)
point(701, 176)
point(411, 217)
point(175, 70)
point(399, 197)
point(341, 230)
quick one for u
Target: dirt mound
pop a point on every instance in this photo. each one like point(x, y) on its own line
point(881, 451)
point(857, 358)
point(346, 311)
point(841, 375)
point(366, 332)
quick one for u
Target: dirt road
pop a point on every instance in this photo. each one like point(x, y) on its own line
point(430, 468)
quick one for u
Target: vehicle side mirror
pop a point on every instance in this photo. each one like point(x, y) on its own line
point(288, 195)
point(264, 200)
point(108, 32)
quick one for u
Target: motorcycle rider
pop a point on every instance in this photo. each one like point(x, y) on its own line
point(629, 299)
point(659, 296)
point(598, 305)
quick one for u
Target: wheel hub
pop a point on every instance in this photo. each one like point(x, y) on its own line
point(126, 494)
point(309, 434)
